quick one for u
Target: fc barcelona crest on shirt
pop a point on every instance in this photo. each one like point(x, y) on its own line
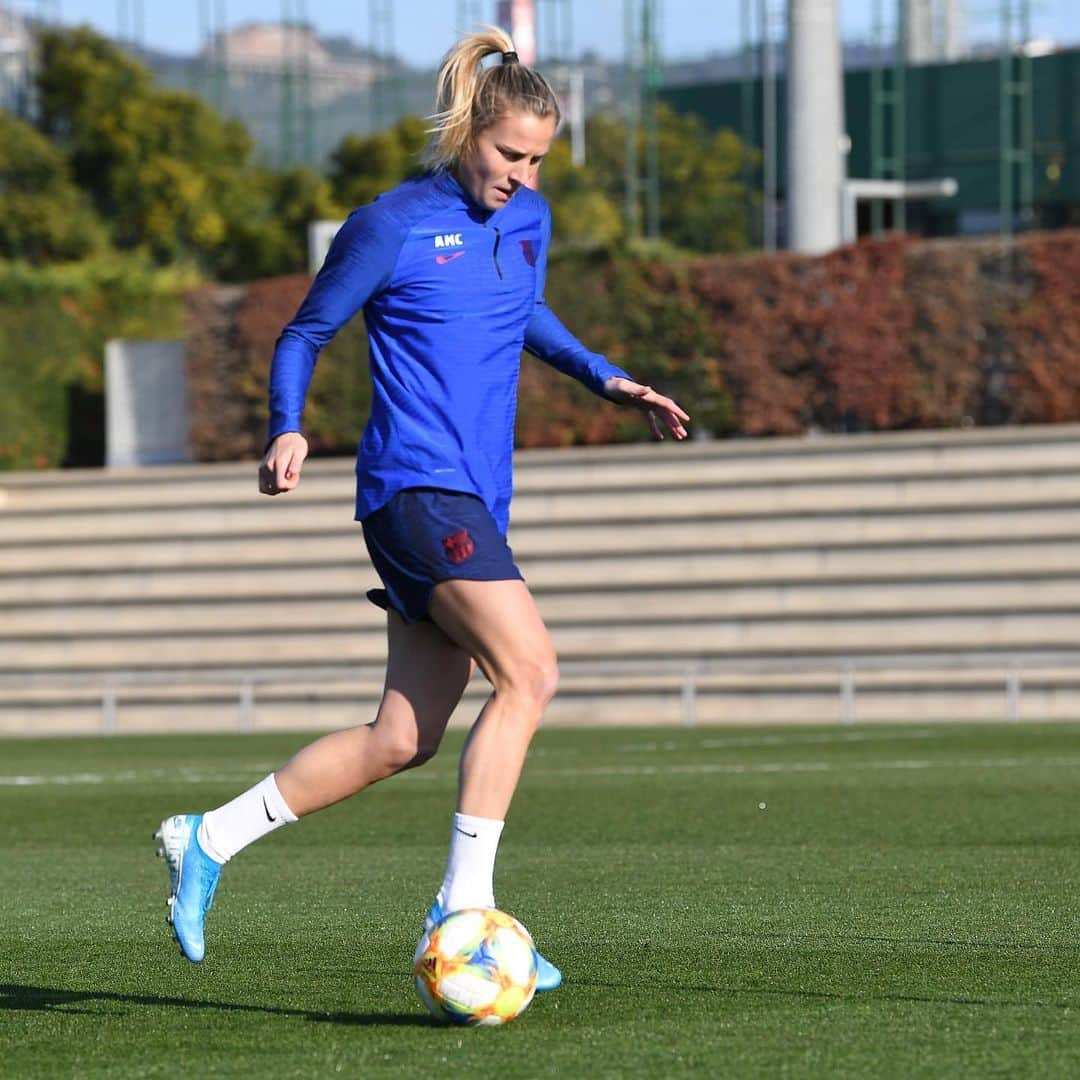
point(528, 251)
point(458, 546)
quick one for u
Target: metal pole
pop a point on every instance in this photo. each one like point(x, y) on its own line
point(746, 102)
point(247, 705)
point(108, 707)
point(653, 75)
point(768, 131)
point(577, 115)
point(877, 118)
point(221, 52)
point(1005, 123)
point(307, 113)
point(815, 159)
point(633, 115)
point(1013, 688)
point(847, 695)
point(899, 170)
point(689, 696)
point(286, 128)
point(1027, 120)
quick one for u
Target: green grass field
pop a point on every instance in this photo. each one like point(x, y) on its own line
point(806, 902)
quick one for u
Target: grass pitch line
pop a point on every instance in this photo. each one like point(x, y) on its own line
point(783, 767)
point(827, 738)
point(697, 768)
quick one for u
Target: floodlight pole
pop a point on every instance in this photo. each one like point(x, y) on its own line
point(468, 16)
point(215, 52)
point(747, 110)
point(288, 78)
point(632, 96)
point(1017, 117)
point(385, 97)
point(650, 43)
point(816, 154)
point(769, 170)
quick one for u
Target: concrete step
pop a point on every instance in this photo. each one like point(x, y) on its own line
point(666, 603)
point(344, 543)
point(728, 462)
point(1018, 491)
point(920, 696)
point(577, 571)
point(745, 638)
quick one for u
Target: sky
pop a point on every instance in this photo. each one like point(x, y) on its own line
point(424, 29)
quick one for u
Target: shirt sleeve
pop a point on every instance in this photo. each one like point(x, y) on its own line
point(359, 264)
point(548, 339)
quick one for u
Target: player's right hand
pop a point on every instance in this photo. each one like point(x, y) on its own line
point(280, 468)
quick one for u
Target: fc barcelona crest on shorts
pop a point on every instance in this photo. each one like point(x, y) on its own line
point(458, 546)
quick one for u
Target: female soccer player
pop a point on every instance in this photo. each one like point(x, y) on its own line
point(449, 270)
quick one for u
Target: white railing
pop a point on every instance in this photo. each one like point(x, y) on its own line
point(1006, 668)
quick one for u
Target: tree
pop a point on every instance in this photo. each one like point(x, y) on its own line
point(362, 166)
point(268, 225)
point(157, 164)
point(43, 216)
point(702, 199)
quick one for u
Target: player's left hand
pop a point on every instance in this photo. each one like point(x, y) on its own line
point(661, 411)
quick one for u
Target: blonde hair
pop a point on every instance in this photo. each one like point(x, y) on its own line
point(470, 98)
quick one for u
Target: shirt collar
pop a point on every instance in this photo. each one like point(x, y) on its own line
point(446, 182)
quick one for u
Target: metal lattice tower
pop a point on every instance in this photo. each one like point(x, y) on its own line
point(643, 77)
point(214, 75)
point(385, 97)
point(1017, 104)
point(747, 109)
point(297, 138)
point(288, 125)
point(650, 41)
point(760, 22)
point(554, 37)
point(469, 16)
point(632, 97)
point(131, 22)
point(307, 113)
point(888, 110)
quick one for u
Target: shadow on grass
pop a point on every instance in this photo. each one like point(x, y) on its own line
point(18, 998)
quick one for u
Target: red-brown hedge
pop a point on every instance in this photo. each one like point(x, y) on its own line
point(885, 334)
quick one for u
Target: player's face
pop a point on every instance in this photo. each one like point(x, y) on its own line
point(505, 157)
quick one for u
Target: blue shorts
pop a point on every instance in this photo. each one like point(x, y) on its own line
point(426, 535)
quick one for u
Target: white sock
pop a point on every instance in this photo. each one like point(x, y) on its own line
point(230, 828)
point(470, 869)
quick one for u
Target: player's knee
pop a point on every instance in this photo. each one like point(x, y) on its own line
point(406, 750)
point(534, 680)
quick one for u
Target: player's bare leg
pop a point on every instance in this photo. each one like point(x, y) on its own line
point(425, 678)
point(426, 674)
point(498, 624)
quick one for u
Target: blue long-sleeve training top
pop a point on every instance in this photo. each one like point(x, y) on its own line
point(451, 293)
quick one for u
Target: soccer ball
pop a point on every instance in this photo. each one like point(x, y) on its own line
point(476, 966)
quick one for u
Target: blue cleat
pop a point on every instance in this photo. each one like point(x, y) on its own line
point(193, 878)
point(548, 976)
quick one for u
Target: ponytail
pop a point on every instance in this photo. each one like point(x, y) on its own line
point(470, 98)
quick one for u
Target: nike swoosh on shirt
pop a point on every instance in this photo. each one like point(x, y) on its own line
point(440, 259)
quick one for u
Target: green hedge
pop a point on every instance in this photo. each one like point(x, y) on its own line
point(54, 323)
point(883, 335)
